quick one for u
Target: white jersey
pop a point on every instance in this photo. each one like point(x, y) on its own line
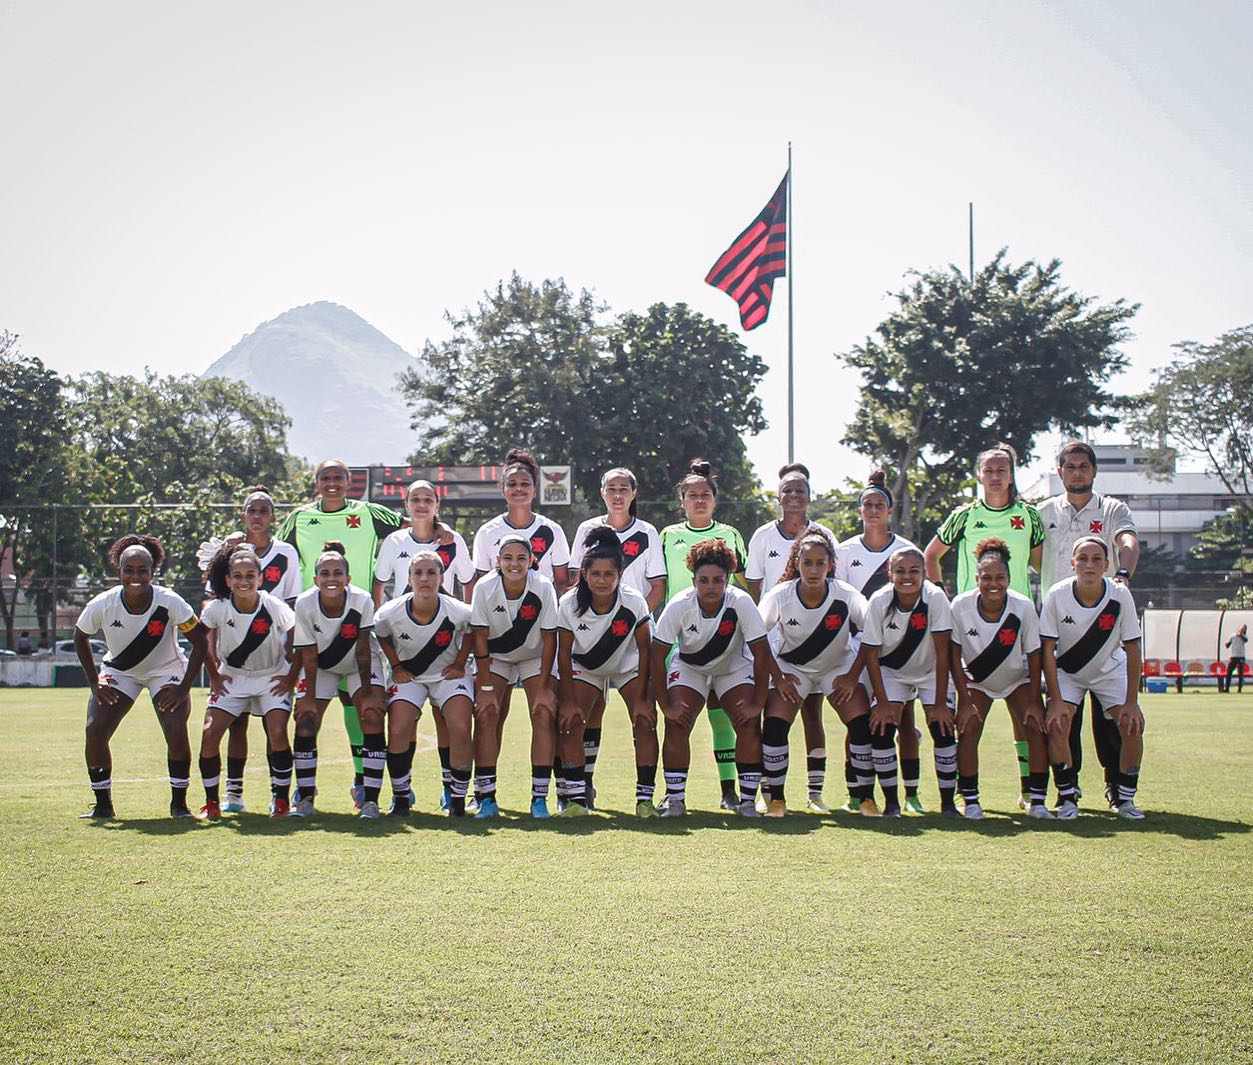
point(143, 643)
point(548, 543)
point(1102, 516)
point(1089, 638)
point(906, 650)
point(711, 644)
point(995, 652)
point(605, 643)
point(515, 627)
point(863, 568)
point(391, 568)
point(252, 643)
point(641, 549)
point(813, 640)
point(767, 554)
point(424, 650)
point(335, 636)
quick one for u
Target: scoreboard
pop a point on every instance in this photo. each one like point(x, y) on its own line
point(459, 484)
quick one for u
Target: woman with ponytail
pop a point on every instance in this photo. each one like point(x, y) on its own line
point(603, 630)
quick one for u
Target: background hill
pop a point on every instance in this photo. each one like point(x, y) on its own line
point(328, 366)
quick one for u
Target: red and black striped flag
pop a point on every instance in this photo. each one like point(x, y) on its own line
point(746, 270)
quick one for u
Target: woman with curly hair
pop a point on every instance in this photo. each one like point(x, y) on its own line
point(721, 648)
point(140, 622)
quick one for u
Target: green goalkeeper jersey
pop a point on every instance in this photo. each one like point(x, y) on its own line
point(360, 526)
point(677, 541)
point(1018, 524)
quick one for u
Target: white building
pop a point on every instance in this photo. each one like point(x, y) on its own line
point(1168, 513)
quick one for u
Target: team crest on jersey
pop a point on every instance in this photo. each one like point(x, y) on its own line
point(271, 573)
point(1106, 622)
point(673, 676)
point(726, 627)
point(348, 631)
point(446, 553)
point(1017, 522)
point(443, 638)
point(155, 627)
point(527, 612)
point(832, 622)
point(619, 628)
point(1096, 526)
point(1006, 637)
point(918, 621)
point(353, 521)
point(260, 626)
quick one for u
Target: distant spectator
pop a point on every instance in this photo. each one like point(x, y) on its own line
point(1235, 664)
point(24, 644)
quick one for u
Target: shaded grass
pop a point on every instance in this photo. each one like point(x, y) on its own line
point(610, 938)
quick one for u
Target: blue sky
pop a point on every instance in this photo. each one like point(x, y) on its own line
point(176, 174)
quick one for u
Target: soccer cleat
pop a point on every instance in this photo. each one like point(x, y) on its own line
point(357, 794)
point(400, 806)
point(487, 808)
point(101, 811)
point(445, 800)
point(913, 805)
point(1129, 811)
point(234, 805)
point(590, 791)
point(815, 805)
point(673, 808)
point(868, 808)
point(280, 808)
point(1078, 792)
point(1023, 802)
point(539, 808)
point(729, 804)
point(573, 809)
point(1040, 812)
point(369, 810)
point(413, 797)
point(949, 809)
point(472, 805)
point(892, 809)
point(1066, 811)
point(761, 804)
point(303, 808)
point(1111, 797)
point(178, 810)
point(644, 808)
point(748, 808)
point(972, 812)
point(777, 808)
point(853, 806)
point(561, 803)
point(210, 811)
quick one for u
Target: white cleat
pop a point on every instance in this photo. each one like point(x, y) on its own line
point(1040, 812)
point(1129, 811)
point(673, 808)
point(972, 812)
point(369, 811)
point(1066, 811)
point(748, 808)
point(303, 808)
point(761, 804)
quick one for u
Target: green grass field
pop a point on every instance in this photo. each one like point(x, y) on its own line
point(611, 939)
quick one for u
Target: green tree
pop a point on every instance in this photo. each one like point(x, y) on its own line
point(960, 365)
point(1200, 402)
point(544, 367)
point(1226, 543)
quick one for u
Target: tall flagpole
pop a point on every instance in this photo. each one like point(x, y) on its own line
point(791, 383)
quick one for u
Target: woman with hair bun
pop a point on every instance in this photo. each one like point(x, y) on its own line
point(720, 646)
point(140, 622)
point(698, 496)
point(603, 642)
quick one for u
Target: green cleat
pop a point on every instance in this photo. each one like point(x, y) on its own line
point(853, 806)
point(644, 808)
point(573, 809)
point(913, 805)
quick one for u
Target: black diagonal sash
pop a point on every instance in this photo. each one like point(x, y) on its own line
point(252, 639)
point(607, 646)
point(278, 565)
point(517, 633)
point(990, 659)
point(820, 639)
point(446, 552)
point(1083, 650)
point(717, 646)
point(341, 645)
point(877, 579)
point(909, 644)
point(421, 662)
point(144, 643)
point(637, 542)
point(544, 537)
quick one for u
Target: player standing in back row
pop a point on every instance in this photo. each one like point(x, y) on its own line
point(768, 553)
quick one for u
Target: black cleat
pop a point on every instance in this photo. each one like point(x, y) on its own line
point(399, 807)
point(179, 809)
point(949, 810)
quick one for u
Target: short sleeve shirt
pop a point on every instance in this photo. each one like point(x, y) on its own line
point(547, 539)
point(995, 652)
point(515, 627)
point(1102, 516)
point(252, 643)
point(397, 551)
point(334, 636)
point(814, 640)
point(902, 636)
point(1018, 525)
point(768, 551)
point(678, 539)
point(140, 643)
point(712, 643)
point(604, 643)
point(425, 649)
point(641, 549)
point(1089, 638)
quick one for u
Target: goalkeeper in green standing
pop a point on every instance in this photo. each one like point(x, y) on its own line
point(361, 527)
point(698, 493)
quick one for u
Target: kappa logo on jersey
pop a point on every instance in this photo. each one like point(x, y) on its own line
point(856, 563)
point(115, 624)
point(314, 521)
point(1017, 522)
point(791, 621)
point(498, 609)
point(405, 636)
point(972, 632)
point(893, 625)
point(403, 554)
point(144, 643)
point(692, 628)
point(980, 524)
point(582, 628)
point(718, 643)
point(353, 521)
point(230, 623)
point(773, 553)
point(1096, 526)
point(1068, 620)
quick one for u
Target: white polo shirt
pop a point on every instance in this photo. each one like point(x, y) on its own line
point(1102, 516)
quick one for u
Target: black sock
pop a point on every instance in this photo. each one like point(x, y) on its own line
point(445, 766)
point(400, 768)
point(180, 779)
point(969, 787)
point(945, 748)
point(484, 782)
point(101, 786)
point(861, 758)
point(911, 775)
point(280, 774)
point(774, 756)
point(883, 751)
point(645, 782)
point(749, 775)
point(234, 777)
point(305, 759)
point(457, 791)
point(1064, 779)
point(211, 774)
point(1128, 782)
point(1037, 788)
point(591, 751)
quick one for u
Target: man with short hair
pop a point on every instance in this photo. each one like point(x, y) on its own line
point(1076, 512)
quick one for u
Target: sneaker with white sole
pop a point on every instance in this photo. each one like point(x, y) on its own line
point(1129, 811)
point(234, 805)
point(748, 808)
point(673, 808)
point(815, 805)
point(972, 811)
point(1040, 812)
point(369, 810)
point(1066, 811)
point(303, 808)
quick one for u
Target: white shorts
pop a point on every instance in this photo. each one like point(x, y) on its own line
point(899, 692)
point(131, 684)
point(328, 683)
point(1002, 693)
point(437, 691)
point(682, 674)
point(514, 673)
point(250, 695)
point(1110, 688)
point(824, 683)
point(602, 682)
